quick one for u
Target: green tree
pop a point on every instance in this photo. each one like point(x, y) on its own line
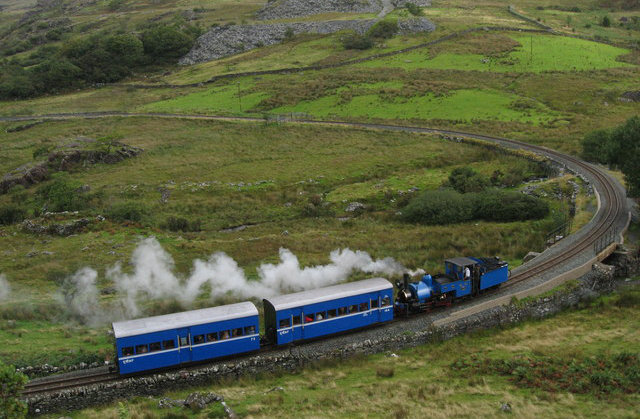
point(606, 22)
point(596, 146)
point(11, 384)
point(62, 194)
point(56, 73)
point(384, 29)
point(127, 49)
point(414, 9)
point(354, 40)
point(625, 153)
point(166, 43)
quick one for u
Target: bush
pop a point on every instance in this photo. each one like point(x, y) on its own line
point(606, 22)
point(384, 29)
point(496, 205)
point(11, 385)
point(182, 224)
point(127, 211)
point(10, 214)
point(595, 146)
point(354, 40)
point(465, 179)
point(438, 207)
point(62, 195)
point(448, 206)
point(164, 43)
point(414, 9)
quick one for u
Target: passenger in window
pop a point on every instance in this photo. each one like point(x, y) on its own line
point(237, 332)
point(331, 314)
point(128, 351)
point(198, 339)
point(142, 349)
point(224, 335)
point(251, 330)
point(169, 344)
point(154, 347)
point(385, 301)
point(319, 316)
point(308, 318)
point(211, 337)
point(353, 309)
point(364, 306)
point(342, 311)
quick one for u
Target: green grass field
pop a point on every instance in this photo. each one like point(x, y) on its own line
point(422, 382)
point(535, 54)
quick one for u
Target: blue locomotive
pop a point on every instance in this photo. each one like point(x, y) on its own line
point(463, 277)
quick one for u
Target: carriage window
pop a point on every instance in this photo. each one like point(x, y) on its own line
point(155, 347)
point(284, 323)
point(250, 330)
point(374, 303)
point(128, 351)
point(364, 306)
point(224, 335)
point(296, 320)
point(331, 314)
point(342, 311)
point(385, 301)
point(308, 318)
point(184, 341)
point(169, 344)
point(353, 309)
point(320, 315)
point(237, 332)
point(198, 339)
point(142, 349)
point(212, 337)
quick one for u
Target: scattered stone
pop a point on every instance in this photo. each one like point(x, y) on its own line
point(631, 96)
point(234, 229)
point(505, 407)
point(354, 206)
point(274, 389)
point(58, 229)
point(164, 195)
point(530, 256)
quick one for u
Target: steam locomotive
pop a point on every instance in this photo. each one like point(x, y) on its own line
point(176, 339)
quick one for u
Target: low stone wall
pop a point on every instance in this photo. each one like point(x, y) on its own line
point(385, 338)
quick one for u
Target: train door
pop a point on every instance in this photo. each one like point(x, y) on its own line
point(375, 308)
point(184, 345)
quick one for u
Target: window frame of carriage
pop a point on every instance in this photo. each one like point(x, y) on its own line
point(329, 314)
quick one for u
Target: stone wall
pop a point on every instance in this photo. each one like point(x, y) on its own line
point(386, 338)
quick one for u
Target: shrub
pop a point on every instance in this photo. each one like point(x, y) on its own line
point(62, 194)
point(289, 33)
point(384, 29)
point(606, 22)
point(10, 214)
point(385, 372)
point(164, 43)
point(438, 207)
point(11, 384)
point(414, 9)
point(182, 224)
point(465, 179)
point(497, 205)
point(127, 211)
point(595, 146)
point(354, 40)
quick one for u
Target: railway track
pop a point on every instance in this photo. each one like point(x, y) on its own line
point(611, 212)
point(65, 382)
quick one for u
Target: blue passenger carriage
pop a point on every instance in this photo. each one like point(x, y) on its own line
point(463, 277)
point(173, 339)
point(324, 311)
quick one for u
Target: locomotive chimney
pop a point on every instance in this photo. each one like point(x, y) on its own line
point(405, 280)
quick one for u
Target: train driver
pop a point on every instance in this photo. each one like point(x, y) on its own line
point(467, 273)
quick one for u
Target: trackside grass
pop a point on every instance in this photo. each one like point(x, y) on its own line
point(431, 380)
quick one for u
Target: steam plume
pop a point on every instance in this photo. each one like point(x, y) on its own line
point(5, 288)
point(153, 278)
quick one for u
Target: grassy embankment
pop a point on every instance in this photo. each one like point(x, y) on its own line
point(594, 346)
point(213, 172)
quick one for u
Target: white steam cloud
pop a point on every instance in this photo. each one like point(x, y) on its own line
point(5, 288)
point(153, 278)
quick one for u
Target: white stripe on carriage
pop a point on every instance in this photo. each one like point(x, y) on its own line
point(199, 345)
point(335, 318)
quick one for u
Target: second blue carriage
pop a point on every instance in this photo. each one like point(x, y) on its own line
point(190, 336)
point(324, 311)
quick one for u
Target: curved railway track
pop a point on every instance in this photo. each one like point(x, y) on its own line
point(611, 213)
